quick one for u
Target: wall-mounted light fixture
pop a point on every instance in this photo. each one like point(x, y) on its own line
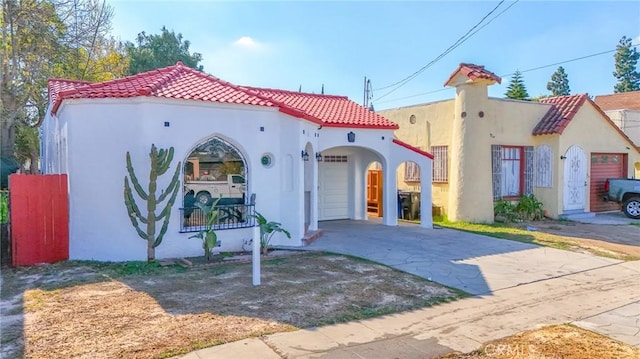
point(319, 156)
point(351, 137)
point(563, 157)
point(304, 155)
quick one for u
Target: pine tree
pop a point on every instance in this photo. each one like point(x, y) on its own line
point(626, 60)
point(559, 84)
point(516, 89)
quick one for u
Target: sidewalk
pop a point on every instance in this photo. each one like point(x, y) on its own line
point(604, 299)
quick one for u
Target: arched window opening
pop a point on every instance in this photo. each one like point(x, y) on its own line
point(214, 173)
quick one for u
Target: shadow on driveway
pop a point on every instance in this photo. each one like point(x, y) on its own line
point(470, 262)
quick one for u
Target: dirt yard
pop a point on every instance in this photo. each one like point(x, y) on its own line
point(558, 341)
point(623, 239)
point(89, 310)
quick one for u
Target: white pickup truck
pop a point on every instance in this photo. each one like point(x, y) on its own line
point(206, 190)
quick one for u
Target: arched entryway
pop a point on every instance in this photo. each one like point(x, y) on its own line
point(343, 174)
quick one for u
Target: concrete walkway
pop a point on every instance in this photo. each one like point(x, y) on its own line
point(517, 286)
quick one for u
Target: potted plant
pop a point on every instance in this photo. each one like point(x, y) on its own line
point(267, 230)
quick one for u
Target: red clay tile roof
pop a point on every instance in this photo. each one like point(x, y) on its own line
point(178, 82)
point(182, 82)
point(334, 111)
point(59, 85)
point(619, 101)
point(412, 148)
point(474, 72)
point(560, 114)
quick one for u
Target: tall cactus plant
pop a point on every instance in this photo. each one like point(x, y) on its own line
point(160, 161)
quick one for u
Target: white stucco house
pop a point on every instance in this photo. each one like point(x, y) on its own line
point(304, 156)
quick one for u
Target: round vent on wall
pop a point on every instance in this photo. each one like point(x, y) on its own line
point(412, 119)
point(267, 160)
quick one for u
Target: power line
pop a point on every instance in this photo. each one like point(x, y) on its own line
point(442, 54)
point(459, 42)
point(510, 74)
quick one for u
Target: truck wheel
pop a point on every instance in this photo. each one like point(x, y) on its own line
point(631, 207)
point(204, 198)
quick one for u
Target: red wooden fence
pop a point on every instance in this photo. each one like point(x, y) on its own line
point(39, 219)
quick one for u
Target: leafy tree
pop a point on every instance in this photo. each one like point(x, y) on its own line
point(626, 58)
point(43, 39)
point(559, 84)
point(155, 51)
point(516, 89)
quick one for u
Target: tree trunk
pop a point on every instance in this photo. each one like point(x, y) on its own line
point(7, 138)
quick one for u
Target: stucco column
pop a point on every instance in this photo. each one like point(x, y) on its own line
point(470, 179)
point(390, 194)
point(313, 216)
point(426, 175)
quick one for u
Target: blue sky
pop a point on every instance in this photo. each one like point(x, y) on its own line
point(287, 44)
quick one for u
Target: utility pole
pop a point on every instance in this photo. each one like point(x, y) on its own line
point(368, 92)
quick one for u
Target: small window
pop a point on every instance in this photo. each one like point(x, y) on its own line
point(543, 156)
point(440, 164)
point(334, 158)
point(411, 172)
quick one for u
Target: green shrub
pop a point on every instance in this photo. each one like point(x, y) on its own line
point(4, 208)
point(504, 209)
point(528, 208)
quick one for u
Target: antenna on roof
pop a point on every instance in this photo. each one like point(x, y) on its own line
point(300, 88)
point(322, 90)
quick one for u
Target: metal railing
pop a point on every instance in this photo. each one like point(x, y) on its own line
point(229, 217)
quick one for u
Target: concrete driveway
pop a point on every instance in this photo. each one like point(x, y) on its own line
point(473, 263)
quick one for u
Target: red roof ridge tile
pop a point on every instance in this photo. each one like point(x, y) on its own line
point(473, 72)
point(297, 93)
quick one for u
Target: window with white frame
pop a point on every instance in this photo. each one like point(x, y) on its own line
point(543, 158)
point(440, 164)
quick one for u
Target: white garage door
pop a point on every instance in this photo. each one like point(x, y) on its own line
point(334, 188)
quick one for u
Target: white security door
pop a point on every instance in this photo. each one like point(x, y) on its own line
point(333, 190)
point(575, 179)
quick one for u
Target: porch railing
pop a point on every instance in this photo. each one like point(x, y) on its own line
point(229, 217)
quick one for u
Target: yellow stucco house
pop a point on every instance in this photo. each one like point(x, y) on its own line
point(560, 149)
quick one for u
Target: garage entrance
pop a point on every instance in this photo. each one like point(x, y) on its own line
point(333, 198)
point(603, 166)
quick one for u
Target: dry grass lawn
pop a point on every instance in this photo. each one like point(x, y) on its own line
point(553, 342)
point(90, 310)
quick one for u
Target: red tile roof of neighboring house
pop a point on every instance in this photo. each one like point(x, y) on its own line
point(560, 114)
point(619, 101)
point(182, 82)
point(334, 111)
point(474, 72)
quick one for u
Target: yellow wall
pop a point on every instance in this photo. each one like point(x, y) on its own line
point(593, 134)
point(432, 127)
point(468, 194)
